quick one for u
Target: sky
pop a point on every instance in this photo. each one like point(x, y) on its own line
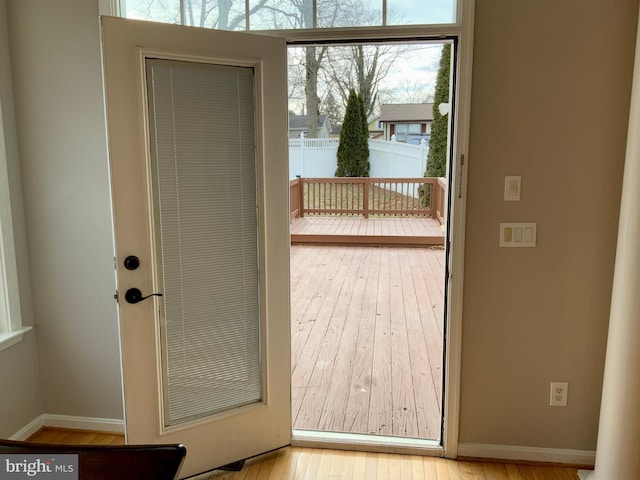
point(419, 66)
point(411, 79)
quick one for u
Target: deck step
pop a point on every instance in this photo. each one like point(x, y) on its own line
point(366, 240)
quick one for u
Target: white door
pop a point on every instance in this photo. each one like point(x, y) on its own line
point(197, 125)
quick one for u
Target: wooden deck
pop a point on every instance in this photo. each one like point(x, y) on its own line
point(367, 326)
point(342, 230)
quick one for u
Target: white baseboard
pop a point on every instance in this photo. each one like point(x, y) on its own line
point(84, 423)
point(68, 421)
point(529, 454)
point(32, 427)
point(584, 474)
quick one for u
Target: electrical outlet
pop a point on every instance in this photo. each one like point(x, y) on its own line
point(559, 394)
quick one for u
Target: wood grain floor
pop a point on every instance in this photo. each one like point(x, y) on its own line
point(367, 326)
point(294, 463)
point(315, 464)
point(64, 436)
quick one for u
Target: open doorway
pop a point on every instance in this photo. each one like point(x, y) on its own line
point(368, 258)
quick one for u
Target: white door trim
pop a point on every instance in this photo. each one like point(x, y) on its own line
point(453, 340)
point(463, 32)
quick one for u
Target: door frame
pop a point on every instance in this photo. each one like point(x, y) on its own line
point(462, 35)
point(462, 31)
point(457, 215)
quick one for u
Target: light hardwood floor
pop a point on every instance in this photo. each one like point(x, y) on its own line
point(295, 463)
point(64, 436)
point(317, 464)
point(367, 326)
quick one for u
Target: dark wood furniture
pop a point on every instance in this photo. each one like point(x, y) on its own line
point(110, 462)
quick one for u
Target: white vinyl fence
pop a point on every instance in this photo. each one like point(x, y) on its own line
point(316, 158)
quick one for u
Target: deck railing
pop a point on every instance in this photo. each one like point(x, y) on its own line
point(424, 196)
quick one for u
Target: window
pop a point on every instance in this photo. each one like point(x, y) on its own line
point(402, 129)
point(11, 329)
point(291, 14)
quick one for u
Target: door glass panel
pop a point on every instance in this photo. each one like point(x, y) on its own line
point(429, 12)
point(221, 15)
point(349, 13)
point(280, 14)
point(258, 15)
point(167, 11)
point(205, 194)
point(293, 14)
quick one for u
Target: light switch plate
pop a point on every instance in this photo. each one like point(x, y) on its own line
point(512, 186)
point(518, 234)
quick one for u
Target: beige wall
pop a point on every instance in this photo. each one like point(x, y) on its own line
point(20, 399)
point(55, 52)
point(550, 102)
point(550, 99)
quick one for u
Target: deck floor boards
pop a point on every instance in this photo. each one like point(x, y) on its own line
point(367, 339)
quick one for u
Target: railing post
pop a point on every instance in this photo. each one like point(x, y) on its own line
point(302, 153)
point(292, 197)
point(301, 188)
point(365, 202)
point(440, 199)
point(435, 204)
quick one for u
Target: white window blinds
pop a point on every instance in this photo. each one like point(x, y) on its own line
point(204, 169)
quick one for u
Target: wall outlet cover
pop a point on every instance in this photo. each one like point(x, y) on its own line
point(518, 234)
point(559, 394)
point(512, 186)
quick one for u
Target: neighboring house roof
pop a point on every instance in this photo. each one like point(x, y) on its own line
point(299, 122)
point(405, 112)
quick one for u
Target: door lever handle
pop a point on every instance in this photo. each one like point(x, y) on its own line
point(134, 295)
